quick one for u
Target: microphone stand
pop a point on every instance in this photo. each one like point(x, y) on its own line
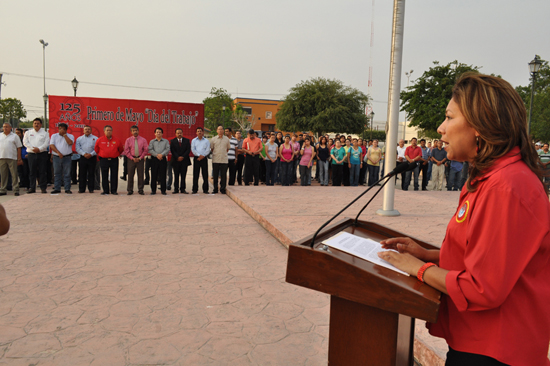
point(400, 169)
point(389, 175)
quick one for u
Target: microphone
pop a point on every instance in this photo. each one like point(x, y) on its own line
point(404, 166)
point(401, 168)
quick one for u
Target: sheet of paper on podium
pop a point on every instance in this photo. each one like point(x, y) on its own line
point(363, 248)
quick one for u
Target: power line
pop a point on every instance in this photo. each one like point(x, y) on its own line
point(147, 87)
point(131, 86)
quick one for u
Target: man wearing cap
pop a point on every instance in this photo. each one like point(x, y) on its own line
point(108, 148)
point(61, 147)
point(135, 149)
point(10, 157)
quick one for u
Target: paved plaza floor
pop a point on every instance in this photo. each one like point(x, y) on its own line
point(180, 279)
point(87, 279)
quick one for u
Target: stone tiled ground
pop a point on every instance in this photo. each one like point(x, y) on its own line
point(291, 213)
point(141, 280)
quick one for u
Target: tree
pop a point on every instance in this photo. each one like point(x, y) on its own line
point(426, 100)
point(242, 119)
point(214, 114)
point(322, 105)
point(12, 109)
point(540, 120)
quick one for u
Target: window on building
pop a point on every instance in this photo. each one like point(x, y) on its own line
point(248, 111)
point(268, 115)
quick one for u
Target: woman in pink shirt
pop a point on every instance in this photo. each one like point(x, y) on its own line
point(286, 152)
point(306, 161)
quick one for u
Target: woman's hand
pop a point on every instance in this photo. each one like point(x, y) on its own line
point(403, 261)
point(405, 245)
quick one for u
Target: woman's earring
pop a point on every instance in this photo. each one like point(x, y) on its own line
point(477, 144)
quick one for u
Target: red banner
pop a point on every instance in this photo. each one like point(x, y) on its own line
point(121, 114)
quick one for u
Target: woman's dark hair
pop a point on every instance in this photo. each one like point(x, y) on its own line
point(321, 140)
point(496, 111)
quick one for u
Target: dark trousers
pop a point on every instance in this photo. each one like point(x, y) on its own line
point(200, 166)
point(457, 358)
point(337, 174)
point(147, 170)
point(252, 170)
point(169, 174)
point(38, 165)
point(86, 173)
point(109, 165)
point(363, 174)
point(408, 176)
point(345, 175)
point(219, 169)
point(132, 167)
point(270, 171)
point(124, 166)
point(373, 173)
point(180, 171)
point(305, 174)
point(262, 170)
point(158, 168)
point(403, 175)
point(286, 172)
point(74, 165)
point(232, 172)
point(239, 167)
point(424, 170)
point(23, 172)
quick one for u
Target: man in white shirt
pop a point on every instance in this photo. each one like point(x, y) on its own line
point(61, 146)
point(10, 157)
point(400, 159)
point(37, 140)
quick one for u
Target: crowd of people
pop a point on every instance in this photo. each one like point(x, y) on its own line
point(31, 157)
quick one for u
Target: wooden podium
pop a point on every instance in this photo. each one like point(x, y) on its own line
point(372, 308)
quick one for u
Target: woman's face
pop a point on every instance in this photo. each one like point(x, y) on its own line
point(375, 143)
point(287, 139)
point(457, 134)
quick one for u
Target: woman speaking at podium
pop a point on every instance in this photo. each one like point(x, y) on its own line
point(494, 264)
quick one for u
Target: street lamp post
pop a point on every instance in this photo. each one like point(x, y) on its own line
point(75, 85)
point(45, 96)
point(408, 75)
point(223, 115)
point(534, 67)
point(371, 122)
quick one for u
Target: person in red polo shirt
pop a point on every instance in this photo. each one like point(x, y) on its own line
point(494, 264)
point(412, 153)
point(108, 148)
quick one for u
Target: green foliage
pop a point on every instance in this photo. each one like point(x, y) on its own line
point(540, 120)
point(213, 109)
point(376, 135)
point(426, 100)
point(12, 109)
point(322, 105)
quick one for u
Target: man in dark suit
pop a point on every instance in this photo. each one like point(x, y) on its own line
point(180, 148)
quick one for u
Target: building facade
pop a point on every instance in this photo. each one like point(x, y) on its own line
point(261, 112)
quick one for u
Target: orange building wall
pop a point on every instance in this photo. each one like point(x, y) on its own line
point(262, 109)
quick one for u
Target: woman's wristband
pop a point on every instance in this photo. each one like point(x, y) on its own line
point(420, 274)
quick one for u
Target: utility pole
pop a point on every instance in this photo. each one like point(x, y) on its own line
point(393, 104)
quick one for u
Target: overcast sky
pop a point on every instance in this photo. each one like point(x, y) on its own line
point(253, 48)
